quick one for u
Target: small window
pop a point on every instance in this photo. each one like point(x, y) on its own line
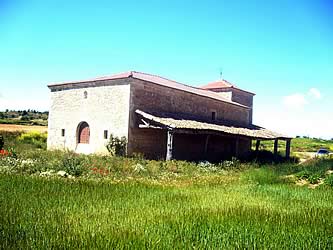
point(213, 116)
point(63, 132)
point(105, 134)
point(85, 94)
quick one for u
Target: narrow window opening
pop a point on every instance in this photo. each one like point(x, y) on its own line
point(85, 94)
point(213, 116)
point(62, 132)
point(105, 134)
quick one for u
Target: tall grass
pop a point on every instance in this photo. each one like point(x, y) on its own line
point(53, 213)
point(126, 203)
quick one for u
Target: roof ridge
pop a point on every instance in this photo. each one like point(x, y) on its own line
point(157, 80)
point(221, 83)
point(187, 85)
point(148, 74)
point(108, 76)
point(225, 81)
point(193, 88)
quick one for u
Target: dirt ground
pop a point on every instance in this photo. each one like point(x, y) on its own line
point(305, 156)
point(13, 127)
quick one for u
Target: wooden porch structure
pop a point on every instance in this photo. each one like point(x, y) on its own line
point(171, 133)
point(184, 126)
point(276, 146)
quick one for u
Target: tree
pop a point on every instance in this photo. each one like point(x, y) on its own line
point(25, 118)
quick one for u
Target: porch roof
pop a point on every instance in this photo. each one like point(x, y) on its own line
point(178, 123)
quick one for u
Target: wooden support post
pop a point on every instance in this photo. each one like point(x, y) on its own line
point(169, 145)
point(276, 145)
point(288, 143)
point(206, 144)
point(237, 147)
point(257, 145)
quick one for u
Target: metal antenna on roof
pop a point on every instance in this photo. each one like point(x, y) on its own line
point(221, 72)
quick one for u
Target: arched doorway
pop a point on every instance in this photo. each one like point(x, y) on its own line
point(83, 133)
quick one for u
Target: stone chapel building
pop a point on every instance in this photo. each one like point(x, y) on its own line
point(161, 118)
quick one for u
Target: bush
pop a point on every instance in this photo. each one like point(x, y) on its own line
point(314, 179)
point(234, 164)
point(36, 138)
point(25, 118)
point(303, 174)
point(73, 164)
point(117, 146)
point(268, 157)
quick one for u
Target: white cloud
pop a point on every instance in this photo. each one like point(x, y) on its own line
point(292, 123)
point(299, 114)
point(314, 93)
point(295, 101)
point(298, 100)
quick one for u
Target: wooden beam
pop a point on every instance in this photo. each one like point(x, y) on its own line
point(144, 122)
point(169, 145)
point(276, 145)
point(257, 145)
point(206, 144)
point(208, 132)
point(288, 144)
point(149, 126)
point(237, 148)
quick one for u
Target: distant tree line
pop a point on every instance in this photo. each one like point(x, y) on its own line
point(24, 115)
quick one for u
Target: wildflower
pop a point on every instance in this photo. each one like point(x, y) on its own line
point(4, 152)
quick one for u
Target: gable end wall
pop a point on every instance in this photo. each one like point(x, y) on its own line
point(105, 108)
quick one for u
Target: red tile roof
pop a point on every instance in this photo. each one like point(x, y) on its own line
point(218, 85)
point(153, 79)
point(222, 84)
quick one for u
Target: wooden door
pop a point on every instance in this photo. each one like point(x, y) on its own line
point(84, 133)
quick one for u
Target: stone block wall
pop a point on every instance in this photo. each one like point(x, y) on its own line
point(242, 97)
point(104, 107)
point(151, 143)
point(151, 97)
point(245, 99)
point(239, 96)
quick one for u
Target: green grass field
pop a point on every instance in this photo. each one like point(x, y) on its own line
point(134, 203)
point(53, 213)
point(298, 145)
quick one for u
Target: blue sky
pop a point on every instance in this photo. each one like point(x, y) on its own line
point(281, 50)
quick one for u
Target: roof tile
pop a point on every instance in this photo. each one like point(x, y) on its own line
point(173, 122)
point(218, 85)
